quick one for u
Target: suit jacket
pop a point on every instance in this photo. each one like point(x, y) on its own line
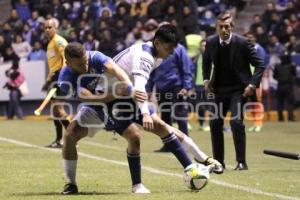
point(242, 54)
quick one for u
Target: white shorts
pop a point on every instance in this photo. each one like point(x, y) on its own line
point(91, 119)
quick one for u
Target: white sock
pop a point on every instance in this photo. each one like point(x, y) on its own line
point(191, 147)
point(69, 167)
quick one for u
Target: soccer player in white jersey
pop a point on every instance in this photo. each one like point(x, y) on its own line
point(139, 61)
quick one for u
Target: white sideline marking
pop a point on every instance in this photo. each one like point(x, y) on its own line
point(157, 171)
point(152, 154)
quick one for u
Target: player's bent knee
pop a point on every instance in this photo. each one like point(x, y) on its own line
point(132, 133)
point(74, 132)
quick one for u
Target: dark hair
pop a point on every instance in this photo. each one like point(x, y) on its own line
point(167, 33)
point(224, 16)
point(74, 50)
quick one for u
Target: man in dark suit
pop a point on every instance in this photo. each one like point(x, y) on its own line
point(226, 74)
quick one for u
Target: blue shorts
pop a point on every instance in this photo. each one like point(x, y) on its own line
point(117, 116)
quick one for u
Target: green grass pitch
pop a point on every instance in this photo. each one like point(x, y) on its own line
point(29, 171)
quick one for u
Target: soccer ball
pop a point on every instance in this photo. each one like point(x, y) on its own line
point(196, 176)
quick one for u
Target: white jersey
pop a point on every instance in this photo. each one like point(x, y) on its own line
point(138, 61)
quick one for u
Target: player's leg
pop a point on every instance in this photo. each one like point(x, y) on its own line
point(192, 147)
point(59, 112)
point(58, 130)
point(72, 135)
point(82, 125)
point(171, 142)
point(60, 121)
point(165, 105)
point(132, 134)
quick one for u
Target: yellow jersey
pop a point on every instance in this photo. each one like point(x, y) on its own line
point(55, 54)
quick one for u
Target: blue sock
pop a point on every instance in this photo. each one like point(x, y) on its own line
point(173, 144)
point(134, 162)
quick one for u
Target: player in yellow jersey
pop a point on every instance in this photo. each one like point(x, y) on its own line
point(56, 60)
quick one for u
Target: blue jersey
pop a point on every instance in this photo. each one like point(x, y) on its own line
point(69, 78)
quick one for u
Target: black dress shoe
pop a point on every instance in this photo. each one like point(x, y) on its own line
point(241, 166)
point(163, 149)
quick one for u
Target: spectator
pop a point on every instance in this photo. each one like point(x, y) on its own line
point(171, 13)
point(23, 10)
point(155, 10)
point(27, 33)
point(82, 29)
point(16, 79)
point(65, 28)
point(290, 10)
point(125, 4)
point(72, 36)
point(275, 50)
point(72, 11)
point(266, 16)
point(133, 37)
point(14, 21)
point(9, 55)
point(139, 9)
point(191, 4)
point(123, 14)
point(292, 46)
point(91, 44)
point(275, 27)
point(88, 8)
point(285, 74)
point(293, 21)
point(180, 31)
point(256, 23)
point(21, 48)
point(285, 35)
point(39, 36)
point(7, 32)
point(149, 31)
point(120, 30)
point(102, 26)
point(57, 10)
point(42, 6)
point(37, 52)
point(107, 45)
point(189, 21)
point(106, 15)
point(261, 36)
point(34, 21)
point(139, 12)
point(208, 22)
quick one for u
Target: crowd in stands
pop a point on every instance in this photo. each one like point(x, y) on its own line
point(105, 25)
